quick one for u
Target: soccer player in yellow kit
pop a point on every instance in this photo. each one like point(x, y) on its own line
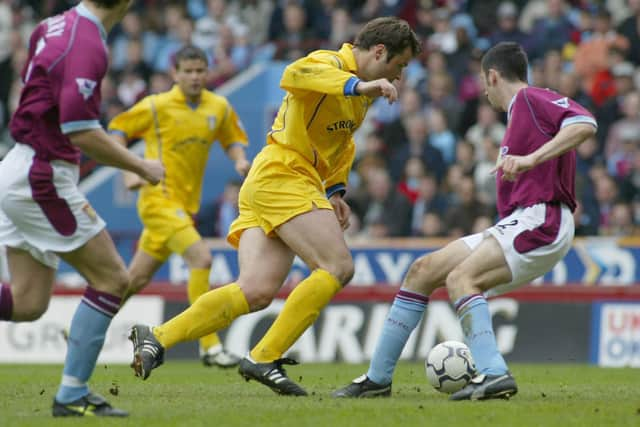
point(179, 127)
point(291, 203)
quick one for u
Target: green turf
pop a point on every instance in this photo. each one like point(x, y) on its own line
point(182, 393)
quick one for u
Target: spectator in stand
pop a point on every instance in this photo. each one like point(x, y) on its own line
point(160, 82)
point(629, 121)
point(215, 218)
point(612, 110)
point(621, 158)
point(630, 185)
point(440, 136)
point(553, 31)
point(132, 31)
point(470, 93)
point(592, 55)
point(6, 70)
point(620, 221)
point(230, 56)
point(630, 29)
point(370, 9)
point(342, 27)
point(443, 38)
point(206, 34)
point(587, 215)
point(487, 126)
point(297, 38)
point(178, 34)
point(440, 95)
point(508, 29)
point(131, 87)
point(417, 145)
point(414, 170)
point(432, 226)
point(320, 17)
point(569, 86)
point(429, 202)
point(466, 157)
point(483, 175)
point(606, 194)
point(386, 213)
point(253, 15)
point(135, 60)
point(460, 217)
point(552, 69)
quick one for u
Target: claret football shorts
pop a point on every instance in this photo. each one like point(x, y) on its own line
point(42, 211)
point(533, 240)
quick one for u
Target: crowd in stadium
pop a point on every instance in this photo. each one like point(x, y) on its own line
point(424, 164)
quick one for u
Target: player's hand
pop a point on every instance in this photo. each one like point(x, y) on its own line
point(132, 181)
point(242, 167)
point(153, 171)
point(341, 209)
point(376, 88)
point(512, 166)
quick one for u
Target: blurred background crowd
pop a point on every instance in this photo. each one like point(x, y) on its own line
point(423, 164)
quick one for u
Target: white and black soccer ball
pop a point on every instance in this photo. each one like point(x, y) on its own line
point(449, 366)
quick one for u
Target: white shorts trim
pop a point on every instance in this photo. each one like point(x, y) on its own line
point(23, 222)
point(527, 259)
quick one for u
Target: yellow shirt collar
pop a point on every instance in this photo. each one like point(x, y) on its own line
point(346, 51)
point(176, 94)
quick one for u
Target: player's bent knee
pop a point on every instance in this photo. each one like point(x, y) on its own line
point(138, 282)
point(29, 313)
point(117, 283)
point(201, 261)
point(458, 284)
point(342, 270)
point(258, 297)
point(419, 277)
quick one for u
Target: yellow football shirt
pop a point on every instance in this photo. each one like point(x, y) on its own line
point(320, 113)
point(180, 135)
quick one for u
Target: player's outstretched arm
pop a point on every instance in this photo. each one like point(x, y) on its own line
point(132, 181)
point(567, 139)
point(376, 88)
point(101, 147)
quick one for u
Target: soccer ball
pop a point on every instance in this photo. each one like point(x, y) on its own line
point(449, 366)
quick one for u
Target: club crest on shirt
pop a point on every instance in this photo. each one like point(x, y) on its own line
point(562, 102)
point(212, 122)
point(85, 87)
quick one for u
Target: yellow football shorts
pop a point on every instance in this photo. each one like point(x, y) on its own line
point(168, 229)
point(281, 185)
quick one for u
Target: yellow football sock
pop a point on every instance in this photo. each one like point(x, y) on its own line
point(300, 310)
point(213, 311)
point(198, 285)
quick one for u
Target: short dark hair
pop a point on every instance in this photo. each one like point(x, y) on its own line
point(189, 52)
point(394, 33)
point(107, 4)
point(509, 59)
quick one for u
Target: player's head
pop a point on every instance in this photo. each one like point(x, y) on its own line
point(505, 62)
point(190, 68)
point(391, 42)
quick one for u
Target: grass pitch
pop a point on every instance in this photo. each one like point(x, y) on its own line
point(187, 394)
